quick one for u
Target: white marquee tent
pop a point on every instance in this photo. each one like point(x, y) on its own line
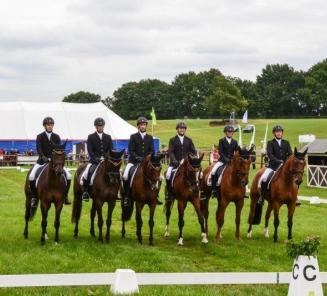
point(20, 122)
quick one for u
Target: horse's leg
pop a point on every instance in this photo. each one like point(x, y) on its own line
point(197, 206)
point(220, 217)
point(181, 209)
point(92, 216)
point(123, 232)
point(238, 209)
point(44, 211)
point(27, 216)
point(205, 211)
point(268, 213)
point(139, 222)
point(276, 207)
point(98, 206)
point(168, 206)
point(152, 208)
point(291, 209)
point(58, 207)
point(111, 206)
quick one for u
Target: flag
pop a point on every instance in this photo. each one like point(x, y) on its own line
point(153, 116)
point(245, 117)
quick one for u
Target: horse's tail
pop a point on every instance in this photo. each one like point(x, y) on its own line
point(255, 208)
point(257, 214)
point(127, 211)
point(33, 211)
point(168, 205)
point(77, 209)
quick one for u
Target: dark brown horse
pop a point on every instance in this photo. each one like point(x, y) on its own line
point(144, 191)
point(283, 190)
point(186, 189)
point(105, 189)
point(51, 188)
point(232, 189)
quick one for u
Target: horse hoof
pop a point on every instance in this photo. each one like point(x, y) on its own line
point(204, 238)
point(238, 239)
point(166, 234)
point(249, 235)
point(180, 242)
point(266, 232)
point(46, 237)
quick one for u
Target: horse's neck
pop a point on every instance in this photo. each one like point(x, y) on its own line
point(284, 174)
point(231, 170)
point(51, 175)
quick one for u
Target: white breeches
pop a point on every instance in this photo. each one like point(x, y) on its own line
point(216, 167)
point(265, 176)
point(37, 166)
point(33, 172)
point(85, 173)
point(128, 167)
point(168, 173)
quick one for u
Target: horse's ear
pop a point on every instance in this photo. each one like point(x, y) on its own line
point(305, 151)
point(295, 150)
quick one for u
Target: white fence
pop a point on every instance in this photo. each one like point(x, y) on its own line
point(99, 279)
point(317, 176)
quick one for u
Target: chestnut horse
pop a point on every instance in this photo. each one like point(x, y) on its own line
point(105, 189)
point(232, 189)
point(51, 188)
point(144, 191)
point(186, 189)
point(283, 190)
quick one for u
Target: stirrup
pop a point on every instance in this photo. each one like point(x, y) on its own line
point(86, 196)
point(34, 202)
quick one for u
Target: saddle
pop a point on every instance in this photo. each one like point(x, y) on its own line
point(219, 174)
point(131, 174)
point(38, 173)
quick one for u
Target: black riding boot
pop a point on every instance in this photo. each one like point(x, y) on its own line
point(170, 191)
point(215, 189)
point(34, 200)
point(67, 202)
point(86, 188)
point(158, 200)
point(264, 189)
point(127, 199)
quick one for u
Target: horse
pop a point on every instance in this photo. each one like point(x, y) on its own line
point(51, 188)
point(283, 190)
point(186, 189)
point(145, 189)
point(232, 189)
point(105, 189)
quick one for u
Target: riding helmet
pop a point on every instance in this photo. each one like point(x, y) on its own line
point(181, 125)
point(48, 120)
point(228, 128)
point(141, 120)
point(277, 128)
point(99, 122)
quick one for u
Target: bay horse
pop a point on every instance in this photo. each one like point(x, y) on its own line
point(51, 188)
point(144, 191)
point(186, 189)
point(232, 189)
point(105, 189)
point(283, 190)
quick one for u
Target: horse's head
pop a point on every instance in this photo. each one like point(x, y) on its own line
point(152, 170)
point(297, 165)
point(193, 169)
point(241, 163)
point(58, 158)
point(112, 163)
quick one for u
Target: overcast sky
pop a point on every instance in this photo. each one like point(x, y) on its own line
point(49, 49)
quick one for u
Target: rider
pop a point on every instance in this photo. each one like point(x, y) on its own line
point(226, 148)
point(278, 150)
point(179, 147)
point(140, 145)
point(98, 145)
point(44, 147)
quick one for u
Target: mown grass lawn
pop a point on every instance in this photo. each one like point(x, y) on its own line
point(19, 256)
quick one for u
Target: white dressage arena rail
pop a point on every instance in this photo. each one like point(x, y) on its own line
point(153, 279)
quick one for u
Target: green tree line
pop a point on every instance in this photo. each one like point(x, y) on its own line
point(279, 90)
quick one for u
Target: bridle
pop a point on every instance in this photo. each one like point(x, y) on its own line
point(154, 184)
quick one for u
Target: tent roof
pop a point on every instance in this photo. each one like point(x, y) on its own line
point(23, 120)
point(317, 146)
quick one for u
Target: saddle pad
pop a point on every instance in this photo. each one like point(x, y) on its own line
point(271, 177)
point(91, 173)
point(220, 171)
point(39, 173)
point(173, 174)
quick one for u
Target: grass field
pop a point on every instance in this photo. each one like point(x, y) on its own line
point(18, 256)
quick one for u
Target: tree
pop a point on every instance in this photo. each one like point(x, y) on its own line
point(278, 90)
point(226, 97)
point(82, 97)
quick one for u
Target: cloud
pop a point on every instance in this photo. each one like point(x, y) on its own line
point(49, 49)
